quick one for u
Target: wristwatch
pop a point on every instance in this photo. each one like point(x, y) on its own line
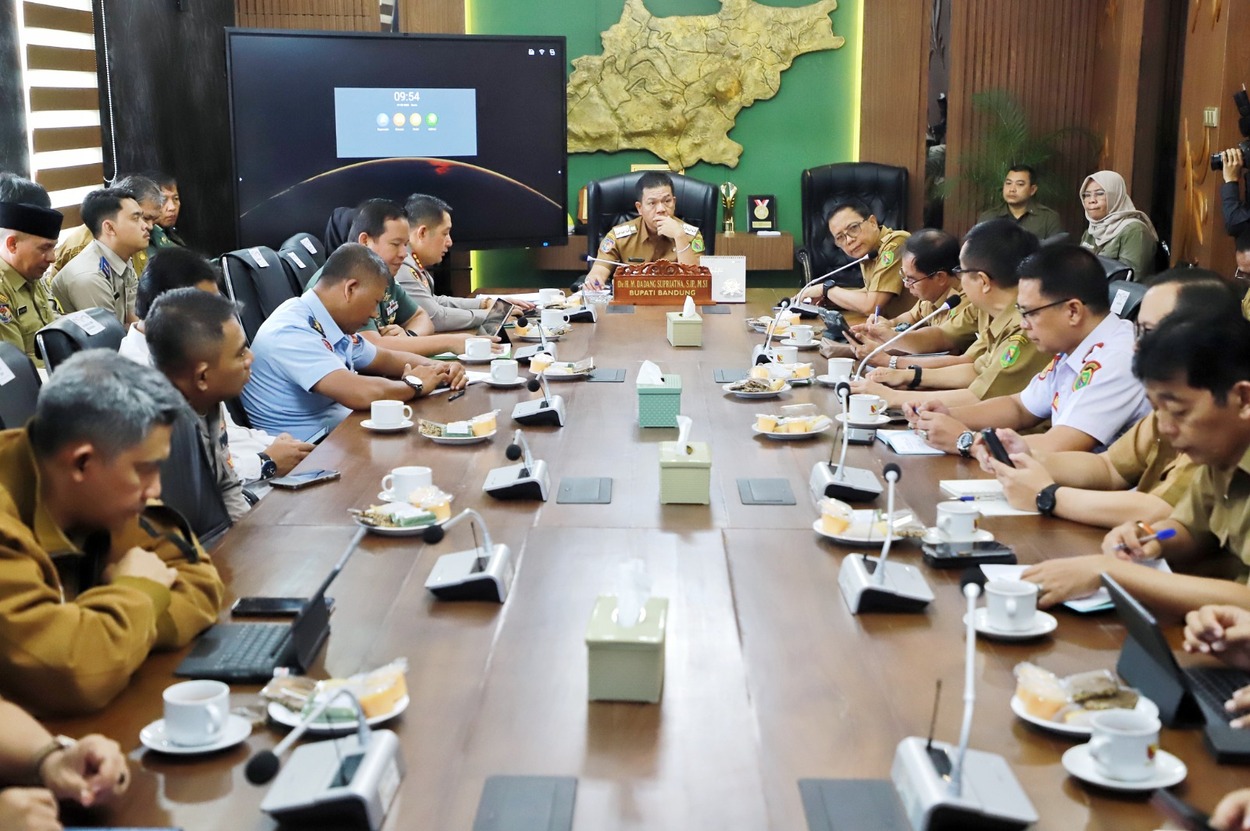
point(918, 373)
point(964, 443)
point(57, 743)
point(1046, 500)
point(894, 362)
point(268, 467)
point(416, 383)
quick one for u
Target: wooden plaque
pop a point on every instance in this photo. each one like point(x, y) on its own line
point(662, 283)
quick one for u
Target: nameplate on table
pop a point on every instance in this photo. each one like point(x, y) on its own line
point(662, 283)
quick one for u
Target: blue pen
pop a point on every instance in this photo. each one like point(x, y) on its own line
point(985, 498)
point(1164, 534)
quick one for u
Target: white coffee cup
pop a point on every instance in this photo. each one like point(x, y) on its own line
point(1124, 744)
point(786, 354)
point(840, 369)
point(389, 413)
point(866, 407)
point(957, 520)
point(477, 348)
point(547, 297)
point(554, 319)
point(1010, 605)
point(404, 480)
point(801, 334)
point(196, 712)
point(503, 370)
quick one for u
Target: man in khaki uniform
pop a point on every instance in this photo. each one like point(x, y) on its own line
point(102, 274)
point(1019, 188)
point(27, 235)
point(1003, 359)
point(657, 233)
point(856, 231)
point(150, 199)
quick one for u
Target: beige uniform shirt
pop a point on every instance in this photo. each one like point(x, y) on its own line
point(1004, 358)
point(885, 272)
point(1217, 505)
point(1148, 461)
point(924, 308)
point(97, 277)
point(961, 326)
point(630, 242)
point(25, 308)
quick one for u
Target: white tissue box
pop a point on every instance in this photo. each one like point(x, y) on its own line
point(685, 478)
point(626, 663)
point(685, 331)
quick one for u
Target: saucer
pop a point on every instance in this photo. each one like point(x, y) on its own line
point(830, 381)
point(935, 537)
point(236, 730)
point(465, 359)
point(788, 436)
point(1169, 771)
point(369, 425)
point(1043, 624)
point(461, 439)
point(875, 421)
point(1063, 728)
point(287, 718)
point(811, 344)
point(515, 382)
point(862, 527)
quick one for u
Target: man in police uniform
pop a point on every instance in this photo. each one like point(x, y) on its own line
point(657, 233)
point(1019, 188)
point(102, 274)
point(149, 197)
point(27, 237)
point(856, 231)
point(1088, 391)
point(1002, 358)
point(311, 368)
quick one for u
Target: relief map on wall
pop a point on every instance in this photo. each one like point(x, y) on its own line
point(675, 85)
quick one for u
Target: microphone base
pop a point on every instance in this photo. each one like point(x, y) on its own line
point(363, 782)
point(853, 485)
point(549, 411)
point(761, 355)
point(903, 590)
point(525, 353)
point(860, 435)
point(516, 482)
point(459, 576)
point(991, 798)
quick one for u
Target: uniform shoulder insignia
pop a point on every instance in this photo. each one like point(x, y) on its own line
point(887, 258)
point(316, 325)
point(1011, 351)
point(1086, 376)
point(696, 245)
point(607, 245)
point(1050, 367)
point(6, 313)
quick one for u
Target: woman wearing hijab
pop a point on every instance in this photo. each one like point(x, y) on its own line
point(1116, 228)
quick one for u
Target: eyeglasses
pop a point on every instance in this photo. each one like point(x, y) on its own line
point(959, 269)
point(1026, 314)
point(909, 282)
point(851, 232)
point(1093, 194)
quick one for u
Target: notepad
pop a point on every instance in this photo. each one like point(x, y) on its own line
point(907, 443)
point(990, 499)
point(1096, 602)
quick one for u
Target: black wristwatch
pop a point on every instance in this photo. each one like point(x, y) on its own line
point(964, 443)
point(268, 467)
point(918, 373)
point(828, 284)
point(1046, 500)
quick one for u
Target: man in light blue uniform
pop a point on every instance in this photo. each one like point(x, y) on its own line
point(311, 368)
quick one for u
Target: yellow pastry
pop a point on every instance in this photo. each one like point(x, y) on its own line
point(766, 423)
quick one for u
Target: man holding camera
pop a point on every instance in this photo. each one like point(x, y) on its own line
point(1236, 210)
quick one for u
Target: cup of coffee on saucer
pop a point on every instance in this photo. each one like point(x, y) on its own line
point(786, 354)
point(1011, 605)
point(504, 371)
point(801, 335)
point(196, 712)
point(400, 482)
point(550, 297)
point(554, 320)
point(956, 521)
point(866, 408)
point(477, 349)
point(389, 415)
point(840, 369)
point(1124, 744)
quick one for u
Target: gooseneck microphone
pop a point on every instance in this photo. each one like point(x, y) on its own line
point(971, 583)
point(263, 767)
point(950, 303)
point(871, 255)
point(892, 474)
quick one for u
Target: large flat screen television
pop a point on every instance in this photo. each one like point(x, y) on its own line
point(321, 120)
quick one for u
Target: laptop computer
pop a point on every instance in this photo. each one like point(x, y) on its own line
point(250, 652)
point(1186, 696)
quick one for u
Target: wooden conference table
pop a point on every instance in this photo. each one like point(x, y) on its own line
point(769, 678)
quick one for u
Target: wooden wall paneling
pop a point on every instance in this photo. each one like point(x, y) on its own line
point(13, 152)
point(894, 101)
point(439, 17)
point(1115, 90)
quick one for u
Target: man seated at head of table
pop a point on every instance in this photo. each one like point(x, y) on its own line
point(857, 232)
point(28, 232)
point(382, 226)
point(657, 233)
point(37, 769)
point(102, 274)
point(254, 454)
point(1197, 374)
point(1088, 392)
point(1003, 359)
point(151, 201)
point(929, 265)
point(312, 368)
point(93, 575)
point(1141, 476)
point(429, 238)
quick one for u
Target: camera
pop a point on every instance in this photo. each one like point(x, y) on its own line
point(1243, 123)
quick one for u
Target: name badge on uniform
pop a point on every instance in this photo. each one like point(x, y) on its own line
point(690, 230)
point(622, 231)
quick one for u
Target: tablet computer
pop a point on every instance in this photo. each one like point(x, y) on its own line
point(495, 318)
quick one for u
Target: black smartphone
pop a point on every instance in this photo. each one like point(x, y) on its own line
point(1178, 810)
point(316, 437)
point(296, 481)
point(963, 554)
point(457, 394)
point(272, 606)
point(996, 447)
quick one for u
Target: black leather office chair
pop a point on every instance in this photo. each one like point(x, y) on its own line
point(188, 485)
point(1126, 297)
point(18, 395)
point(301, 265)
point(64, 336)
point(882, 187)
point(609, 202)
point(339, 223)
point(308, 246)
point(1116, 271)
point(257, 290)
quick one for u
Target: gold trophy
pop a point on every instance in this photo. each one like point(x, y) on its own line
point(728, 194)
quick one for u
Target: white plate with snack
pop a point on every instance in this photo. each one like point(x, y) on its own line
point(778, 436)
point(868, 526)
point(752, 390)
point(290, 718)
point(1080, 726)
point(531, 335)
point(462, 439)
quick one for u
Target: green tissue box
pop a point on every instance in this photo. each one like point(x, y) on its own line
point(659, 404)
point(626, 663)
point(685, 331)
point(685, 478)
